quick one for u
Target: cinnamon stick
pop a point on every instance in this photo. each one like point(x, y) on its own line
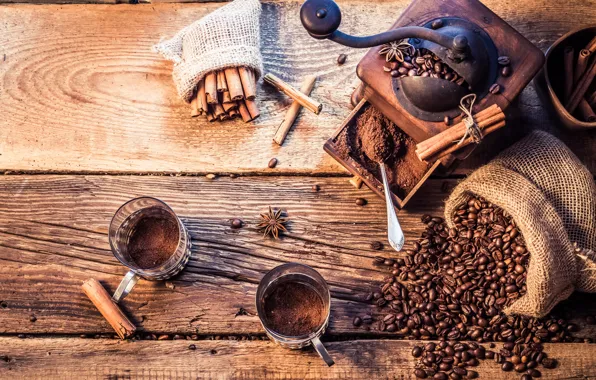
point(211, 88)
point(218, 110)
point(466, 142)
point(586, 111)
point(568, 68)
point(253, 109)
point(592, 100)
point(244, 112)
point(202, 97)
point(581, 65)
point(210, 117)
point(108, 308)
point(446, 139)
point(234, 83)
point(457, 131)
point(591, 46)
point(222, 85)
point(581, 88)
point(227, 102)
point(306, 101)
point(293, 111)
point(194, 107)
point(233, 113)
point(249, 82)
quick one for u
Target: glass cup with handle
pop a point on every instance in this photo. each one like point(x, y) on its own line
point(306, 276)
point(123, 227)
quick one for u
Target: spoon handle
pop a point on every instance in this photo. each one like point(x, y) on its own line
point(395, 234)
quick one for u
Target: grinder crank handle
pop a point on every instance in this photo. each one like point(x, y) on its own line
point(321, 18)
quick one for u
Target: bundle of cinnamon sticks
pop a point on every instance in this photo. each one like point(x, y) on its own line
point(226, 94)
point(579, 94)
point(452, 139)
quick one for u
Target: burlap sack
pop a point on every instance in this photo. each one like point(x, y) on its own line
point(552, 198)
point(227, 37)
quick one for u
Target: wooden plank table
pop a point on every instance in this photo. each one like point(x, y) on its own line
point(90, 119)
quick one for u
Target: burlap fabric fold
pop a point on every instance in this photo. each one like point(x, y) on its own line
point(552, 198)
point(227, 37)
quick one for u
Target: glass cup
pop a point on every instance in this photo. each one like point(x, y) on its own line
point(305, 275)
point(123, 226)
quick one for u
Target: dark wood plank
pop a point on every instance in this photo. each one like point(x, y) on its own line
point(57, 358)
point(82, 92)
point(53, 236)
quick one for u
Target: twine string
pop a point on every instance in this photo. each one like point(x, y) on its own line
point(472, 129)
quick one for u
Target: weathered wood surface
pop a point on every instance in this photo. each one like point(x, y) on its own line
point(358, 359)
point(53, 236)
point(82, 92)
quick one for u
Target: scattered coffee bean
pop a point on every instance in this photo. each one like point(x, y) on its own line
point(210, 176)
point(341, 59)
point(361, 201)
point(420, 373)
point(315, 188)
point(495, 89)
point(272, 163)
point(417, 351)
point(506, 71)
point(436, 24)
point(549, 363)
point(394, 73)
point(503, 60)
point(526, 377)
point(236, 223)
point(192, 347)
point(33, 318)
point(447, 120)
point(376, 245)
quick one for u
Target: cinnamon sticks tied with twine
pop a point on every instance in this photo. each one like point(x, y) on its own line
point(459, 136)
point(226, 94)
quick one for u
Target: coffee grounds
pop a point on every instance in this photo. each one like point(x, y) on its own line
point(294, 309)
point(373, 136)
point(153, 241)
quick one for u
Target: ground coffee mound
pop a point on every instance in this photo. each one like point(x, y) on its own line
point(374, 138)
point(294, 309)
point(153, 241)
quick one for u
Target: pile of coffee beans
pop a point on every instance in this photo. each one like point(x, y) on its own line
point(423, 63)
point(453, 285)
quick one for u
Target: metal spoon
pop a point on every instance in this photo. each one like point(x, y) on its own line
point(395, 235)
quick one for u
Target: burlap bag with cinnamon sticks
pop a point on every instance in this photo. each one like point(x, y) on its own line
point(552, 198)
point(227, 37)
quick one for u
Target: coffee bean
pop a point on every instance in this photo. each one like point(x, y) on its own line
point(315, 188)
point(236, 223)
point(376, 245)
point(440, 376)
point(549, 363)
point(506, 71)
point(534, 373)
point(521, 367)
point(33, 318)
point(357, 321)
point(192, 347)
point(507, 366)
point(447, 120)
point(495, 89)
point(361, 201)
point(526, 377)
point(417, 351)
point(419, 373)
point(504, 60)
point(394, 73)
point(341, 59)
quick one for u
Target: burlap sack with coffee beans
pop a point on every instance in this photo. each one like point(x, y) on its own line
point(552, 198)
point(227, 37)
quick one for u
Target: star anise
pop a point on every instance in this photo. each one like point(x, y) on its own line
point(396, 50)
point(272, 223)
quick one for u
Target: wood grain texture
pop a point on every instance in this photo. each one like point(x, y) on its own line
point(53, 236)
point(59, 358)
point(82, 92)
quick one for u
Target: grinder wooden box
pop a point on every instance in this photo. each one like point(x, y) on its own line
point(356, 168)
point(526, 60)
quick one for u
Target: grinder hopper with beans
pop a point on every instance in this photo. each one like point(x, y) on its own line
point(464, 34)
